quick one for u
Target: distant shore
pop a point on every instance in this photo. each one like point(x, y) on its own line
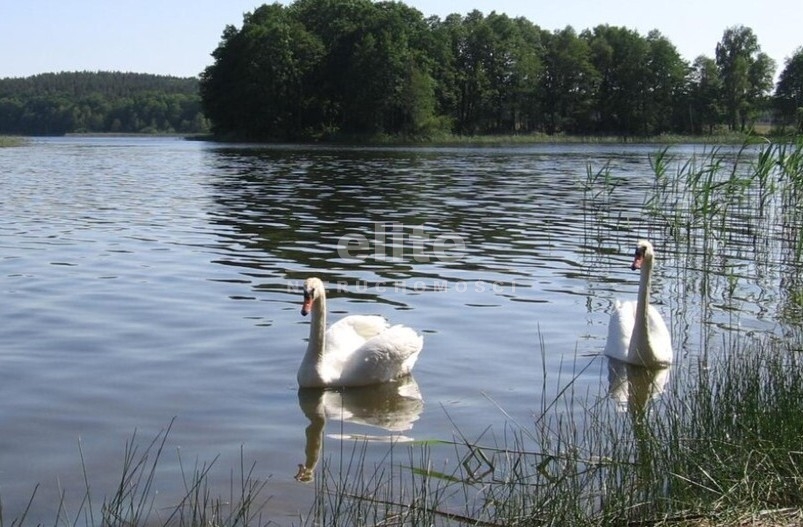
point(458, 140)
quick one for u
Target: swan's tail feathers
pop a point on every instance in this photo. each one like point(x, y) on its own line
point(395, 351)
point(411, 344)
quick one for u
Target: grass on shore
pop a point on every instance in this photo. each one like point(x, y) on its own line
point(723, 450)
point(7, 141)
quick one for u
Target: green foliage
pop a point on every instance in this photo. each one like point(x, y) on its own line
point(789, 94)
point(331, 68)
point(568, 84)
point(746, 75)
point(99, 102)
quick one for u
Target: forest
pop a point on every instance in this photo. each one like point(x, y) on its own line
point(100, 102)
point(351, 69)
point(319, 69)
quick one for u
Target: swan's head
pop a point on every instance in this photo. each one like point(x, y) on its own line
point(644, 253)
point(313, 290)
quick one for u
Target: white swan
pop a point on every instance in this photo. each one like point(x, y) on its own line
point(357, 350)
point(636, 332)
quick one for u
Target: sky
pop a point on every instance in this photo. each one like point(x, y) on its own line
point(176, 37)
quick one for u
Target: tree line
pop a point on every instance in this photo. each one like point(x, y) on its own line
point(100, 102)
point(323, 68)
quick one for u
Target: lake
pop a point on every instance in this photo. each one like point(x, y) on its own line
point(150, 281)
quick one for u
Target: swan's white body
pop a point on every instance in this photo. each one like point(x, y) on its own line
point(357, 350)
point(637, 334)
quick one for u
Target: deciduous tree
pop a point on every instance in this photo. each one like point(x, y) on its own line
point(789, 93)
point(746, 75)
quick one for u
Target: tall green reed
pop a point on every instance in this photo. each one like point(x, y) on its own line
point(133, 501)
point(725, 445)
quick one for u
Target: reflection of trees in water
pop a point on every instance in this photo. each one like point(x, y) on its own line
point(729, 250)
point(392, 407)
point(511, 210)
point(289, 209)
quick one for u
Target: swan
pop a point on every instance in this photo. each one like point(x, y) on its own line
point(357, 350)
point(636, 332)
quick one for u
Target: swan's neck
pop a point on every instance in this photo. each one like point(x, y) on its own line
point(639, 342)
point(317, 330)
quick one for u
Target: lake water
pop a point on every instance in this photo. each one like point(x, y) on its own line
point(146, 281)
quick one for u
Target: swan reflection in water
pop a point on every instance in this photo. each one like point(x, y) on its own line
point(392, 406)
point(632, 387)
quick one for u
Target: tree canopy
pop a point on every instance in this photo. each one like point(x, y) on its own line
point(59, 103)
point(789, 93)
point(317, 68)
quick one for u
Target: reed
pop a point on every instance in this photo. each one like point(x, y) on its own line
point(724, 447)
point(133, 501)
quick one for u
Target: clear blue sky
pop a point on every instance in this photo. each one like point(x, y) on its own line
point(176, 37)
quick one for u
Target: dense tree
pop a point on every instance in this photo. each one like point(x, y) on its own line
point(256, 84)
point(450, 70)
point(641, 79)
point(746, 75)
point(380, 67)
point(59, 103)
point(316, 69)
point(473, 47)
point(514, 64)
point(666, 86)
point(569, 83)
point(705, 87)
point(620, 56)
point(321, 66)
point(789, 93)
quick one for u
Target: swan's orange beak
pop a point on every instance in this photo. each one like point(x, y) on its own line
point(307, 307)
point(637, 261)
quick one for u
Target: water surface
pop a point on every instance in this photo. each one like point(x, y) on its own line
point(148, 281)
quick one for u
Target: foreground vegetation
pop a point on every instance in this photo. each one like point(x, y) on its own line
point(720, 450)
point(724, 448)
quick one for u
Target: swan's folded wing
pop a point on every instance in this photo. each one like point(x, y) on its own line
point(366, 326)
point(388, 356)
point(660, 337)
point(657, 328)
point(620, 328)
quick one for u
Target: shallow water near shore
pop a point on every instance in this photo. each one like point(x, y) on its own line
point(152, 280)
